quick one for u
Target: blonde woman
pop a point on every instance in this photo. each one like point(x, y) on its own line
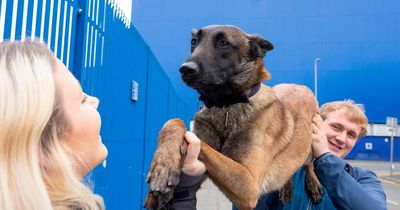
point(49, 132)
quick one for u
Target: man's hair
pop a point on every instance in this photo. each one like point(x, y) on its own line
point(355, 113)
point(32, 126)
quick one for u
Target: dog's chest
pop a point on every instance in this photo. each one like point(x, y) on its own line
point(232, 126)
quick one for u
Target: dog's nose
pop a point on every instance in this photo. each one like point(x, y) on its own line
point(189, 68)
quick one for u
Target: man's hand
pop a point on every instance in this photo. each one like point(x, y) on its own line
point(191, 165)
point(319, 140)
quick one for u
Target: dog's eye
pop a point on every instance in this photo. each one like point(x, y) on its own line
point(223, 43)
point(194, 42)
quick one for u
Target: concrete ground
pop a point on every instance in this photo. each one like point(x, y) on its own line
point(210, 198)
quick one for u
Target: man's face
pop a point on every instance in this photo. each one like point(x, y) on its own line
point(341, 133)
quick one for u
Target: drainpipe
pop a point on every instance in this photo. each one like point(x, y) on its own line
point(316, 61)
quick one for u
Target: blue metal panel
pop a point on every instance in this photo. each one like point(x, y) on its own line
point(375, 148)
point(172, 102)
point(52, 24)
point(29, 23)
point(156, 113)
point(18, 19)
point(124, 60)
point(119, 183)
point(8, 22)
point(46, 21)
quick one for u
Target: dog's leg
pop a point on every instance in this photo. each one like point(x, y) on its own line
point(237, 181)
point(286, 192)
point(313, 186)
point(165, 168)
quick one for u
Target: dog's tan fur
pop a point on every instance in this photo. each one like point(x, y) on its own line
point(249, 148)
point(278, 137)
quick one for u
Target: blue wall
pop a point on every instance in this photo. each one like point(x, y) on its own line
point(375, 148)
point(358, 43)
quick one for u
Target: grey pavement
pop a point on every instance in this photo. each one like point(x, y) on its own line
point(210, 198)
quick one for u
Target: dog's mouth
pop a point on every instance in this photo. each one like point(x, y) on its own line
point(195, 74)
point(191, 82)
point(188, 79)
point(199, 83)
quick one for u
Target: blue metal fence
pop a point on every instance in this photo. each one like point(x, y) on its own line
point(106, 54)
point(54, 22)
point(375, 148)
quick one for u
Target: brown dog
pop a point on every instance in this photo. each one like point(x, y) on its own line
point(255, 137)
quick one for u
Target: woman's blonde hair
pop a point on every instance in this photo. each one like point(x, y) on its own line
point(355, 113)
point(36, 170)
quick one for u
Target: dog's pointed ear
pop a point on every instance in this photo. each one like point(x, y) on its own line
point(259, 46)
point(194, 31)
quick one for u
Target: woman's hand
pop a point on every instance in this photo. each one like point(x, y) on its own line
point(191, 165)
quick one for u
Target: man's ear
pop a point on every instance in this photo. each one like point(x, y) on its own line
point(259, 46)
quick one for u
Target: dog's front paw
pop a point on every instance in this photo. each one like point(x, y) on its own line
point(164, 172)
point(163, 176)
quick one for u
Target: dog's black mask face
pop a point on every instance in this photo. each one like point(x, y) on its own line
point(222, 59)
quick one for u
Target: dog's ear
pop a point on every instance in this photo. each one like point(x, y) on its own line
point(259, 46)
point(194, 31)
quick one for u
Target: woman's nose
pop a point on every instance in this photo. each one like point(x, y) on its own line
point(94, 101)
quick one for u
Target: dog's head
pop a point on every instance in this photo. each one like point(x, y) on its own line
point(225, 59)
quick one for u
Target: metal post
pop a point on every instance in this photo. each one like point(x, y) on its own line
point(316, 61)
point(391, 122)
point(391, 149)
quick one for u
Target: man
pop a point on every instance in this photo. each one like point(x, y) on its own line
point(335, 133)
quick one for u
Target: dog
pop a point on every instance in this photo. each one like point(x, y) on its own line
point(254, 137)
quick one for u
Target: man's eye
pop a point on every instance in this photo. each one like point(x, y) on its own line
point(352, 135)
point(335, 127)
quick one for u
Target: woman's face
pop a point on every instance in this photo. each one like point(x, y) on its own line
point(83, 121)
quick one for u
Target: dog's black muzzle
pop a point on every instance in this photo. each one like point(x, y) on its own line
point(189, 70)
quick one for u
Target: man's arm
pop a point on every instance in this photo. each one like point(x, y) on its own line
point(348, 188)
